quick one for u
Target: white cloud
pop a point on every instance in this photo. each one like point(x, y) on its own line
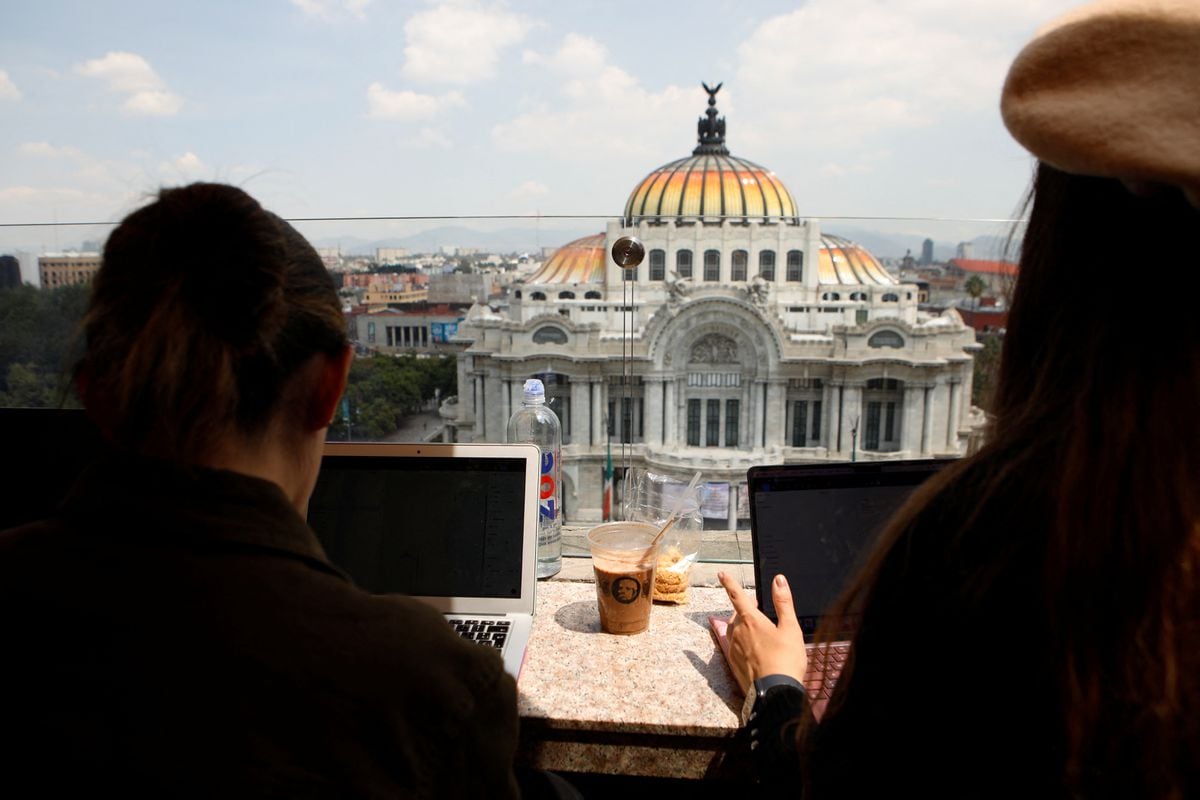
point(839, 70)
point(8, 89)
point(154, 103)
point(427, 139)
point(47, 150)
point(408, 105)
point(530, 188)
point(460, 42)
point(329, 9)
point(129, 73)
point(188, 167)
point(604, 110)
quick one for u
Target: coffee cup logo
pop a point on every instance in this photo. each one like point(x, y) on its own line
point(626, 590)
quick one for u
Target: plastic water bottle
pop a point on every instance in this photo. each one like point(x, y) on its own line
point(536, 424)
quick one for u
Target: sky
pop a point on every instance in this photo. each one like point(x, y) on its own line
point(371, 108)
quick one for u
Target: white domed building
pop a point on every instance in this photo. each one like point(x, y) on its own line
point(745, 336)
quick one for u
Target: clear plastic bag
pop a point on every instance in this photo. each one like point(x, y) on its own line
point(654, 497)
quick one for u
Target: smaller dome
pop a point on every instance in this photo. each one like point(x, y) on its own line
point(842, 262)
point(580, 261)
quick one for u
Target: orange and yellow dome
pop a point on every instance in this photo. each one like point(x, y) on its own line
point(580, 261)
point(710, 187)
point(841, 262)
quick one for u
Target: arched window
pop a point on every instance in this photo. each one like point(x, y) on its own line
point(737, 265)
point(550, 334)
point(795, 265)
point(537, 296)
point(861, 296)
point(518, 294)
point(712, 265)
point(831, 296)
point(658, 265)
point(766, 264)
point(885, 339)
point(566, 295)
point(891, 297)
point(591, 296)
point(683, 263)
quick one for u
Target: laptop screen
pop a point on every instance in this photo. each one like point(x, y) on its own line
point(424, 526)
point(815, 523)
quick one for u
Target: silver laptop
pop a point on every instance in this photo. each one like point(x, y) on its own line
point(452, 525)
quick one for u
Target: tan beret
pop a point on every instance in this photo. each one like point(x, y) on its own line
point(1112, 89)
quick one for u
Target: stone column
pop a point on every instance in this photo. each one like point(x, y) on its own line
point(758, 414)
point(828, 417)
point(598, 409)
point(927, 421)
point(671, 418)
point(652, 412)
point(853, 417)
point(776, 413)
point(952, 421)
point(481, 408)
point(507, 405)
point(581, 412)
point(842, 434)
point(910, 416)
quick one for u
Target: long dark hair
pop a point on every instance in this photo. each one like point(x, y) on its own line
point(1097, 422)
point(204, 306)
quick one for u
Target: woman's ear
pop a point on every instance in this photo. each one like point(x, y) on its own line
point(329, 382)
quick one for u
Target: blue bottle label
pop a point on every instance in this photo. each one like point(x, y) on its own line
point(548, 489)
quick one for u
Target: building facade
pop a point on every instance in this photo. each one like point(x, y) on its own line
point(745, 336)
point(66, 269)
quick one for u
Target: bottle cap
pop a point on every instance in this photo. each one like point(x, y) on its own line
point(534, 391)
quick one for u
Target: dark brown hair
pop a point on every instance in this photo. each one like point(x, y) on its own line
point(1095, 445)
point(205, 305)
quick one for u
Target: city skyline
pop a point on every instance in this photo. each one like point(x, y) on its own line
point(370, 109)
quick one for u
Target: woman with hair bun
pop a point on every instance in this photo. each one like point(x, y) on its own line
point(177, 628)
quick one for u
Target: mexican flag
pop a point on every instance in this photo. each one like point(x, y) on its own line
point(608, 484)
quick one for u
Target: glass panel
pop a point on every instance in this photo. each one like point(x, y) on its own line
point(713, 424)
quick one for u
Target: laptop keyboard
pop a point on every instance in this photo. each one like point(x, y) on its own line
point(487, 632)
point(824, 661)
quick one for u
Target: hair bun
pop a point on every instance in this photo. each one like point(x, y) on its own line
point(226, 251)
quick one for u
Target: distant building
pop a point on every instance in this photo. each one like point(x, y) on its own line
point(66, 269)
point(999, 276)
point(926, 252)
point(330, 256)
point(458, 287)
point(390, 255)
point(746, 336)
point(419, 328)
point(964, 250)
point(10, 272)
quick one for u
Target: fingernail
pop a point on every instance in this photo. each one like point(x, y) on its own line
point(781, 581)
point(720, 575)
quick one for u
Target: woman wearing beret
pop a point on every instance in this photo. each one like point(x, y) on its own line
point(1057, 571)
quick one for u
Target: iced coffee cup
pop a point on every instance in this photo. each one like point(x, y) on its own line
point(624, 562)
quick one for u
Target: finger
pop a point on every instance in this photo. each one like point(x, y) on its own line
point(785, 610)
point(741, 604)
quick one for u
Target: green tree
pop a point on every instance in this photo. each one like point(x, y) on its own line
point(382, 390)
point(39, 334)
point(987, 368)
point(975, 287)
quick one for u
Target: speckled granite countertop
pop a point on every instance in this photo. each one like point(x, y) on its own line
point(662, 702)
